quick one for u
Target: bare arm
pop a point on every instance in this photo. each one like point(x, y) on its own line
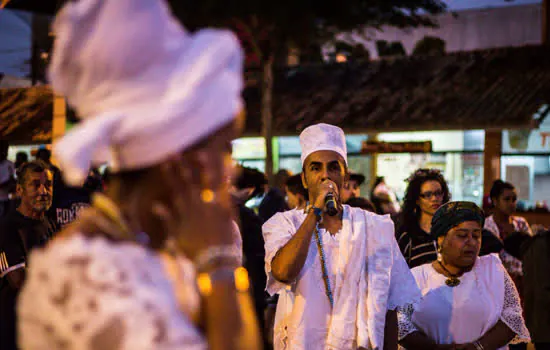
point(497, 337)
point(290, 259)
point(391, 331)
point(226, 306)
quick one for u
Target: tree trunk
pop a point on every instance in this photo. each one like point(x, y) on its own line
point(267, 114)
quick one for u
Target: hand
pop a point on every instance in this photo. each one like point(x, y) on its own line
point(192, 223)
point(325, 188)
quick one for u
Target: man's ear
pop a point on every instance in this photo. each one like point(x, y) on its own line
point(303, 176)
point(19, 190)
point(440, 240)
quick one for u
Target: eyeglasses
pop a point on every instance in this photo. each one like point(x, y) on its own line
point(430, 194)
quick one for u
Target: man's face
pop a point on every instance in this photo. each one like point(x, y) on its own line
point(320, 166)
point(351, 189)
point(36, 191)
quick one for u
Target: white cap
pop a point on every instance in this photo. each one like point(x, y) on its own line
point(145, 87)
point(323, 137)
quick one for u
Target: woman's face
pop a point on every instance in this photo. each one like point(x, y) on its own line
point(460, 246)
point(430, 198)
point(507, 201)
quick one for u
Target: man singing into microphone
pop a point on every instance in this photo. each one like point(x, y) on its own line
point(339, 277)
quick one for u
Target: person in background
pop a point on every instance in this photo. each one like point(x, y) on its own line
point(274, 200)
point(161, 105)
point(248, 184)
point(296, 194)
point(469, 302)
point(20, 159)
point(426, 192)
point(534, 252)
point(361, 202)
point(352, 187)
point(502, 223)
point(384, 198)
point(7, 179)
point(21, 231)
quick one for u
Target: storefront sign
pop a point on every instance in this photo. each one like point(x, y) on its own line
point(396, 147)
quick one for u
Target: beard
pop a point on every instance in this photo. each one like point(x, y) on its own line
point(42, 205)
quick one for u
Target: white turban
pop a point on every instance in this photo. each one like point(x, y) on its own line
point(323, 137)
point(145, 87)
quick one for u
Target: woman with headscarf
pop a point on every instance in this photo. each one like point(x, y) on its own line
point(469, 302)
point(426, 192)
point(152, 264)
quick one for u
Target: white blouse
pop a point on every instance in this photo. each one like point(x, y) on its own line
point(90, 293)
point(463, 314)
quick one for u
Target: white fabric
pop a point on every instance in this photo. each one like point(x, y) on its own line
point(323, 137)
point(84, 293)
point(146, 88)
point(463, 314)
point(363, 292)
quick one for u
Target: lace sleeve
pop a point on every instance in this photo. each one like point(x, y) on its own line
point(404, 321)
point(512, 312)
point(93, 294)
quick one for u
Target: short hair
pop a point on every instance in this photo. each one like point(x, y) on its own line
point(498, 187)
point(361, 202)
point(248, 178)
point(295, 186)
point(43, 154)
point(35, 166)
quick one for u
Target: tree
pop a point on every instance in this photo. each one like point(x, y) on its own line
point(268, 27)
point(429, 46)
point(386, 49)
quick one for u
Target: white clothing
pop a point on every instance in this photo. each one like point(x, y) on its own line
point(90, 293)
point(464, 313)
point(7, 172)
point(145, 87)
point(323, 137)
point(363, 289)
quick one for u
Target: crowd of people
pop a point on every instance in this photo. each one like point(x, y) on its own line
point(162, 250)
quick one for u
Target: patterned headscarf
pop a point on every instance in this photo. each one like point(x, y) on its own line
point(452, 214)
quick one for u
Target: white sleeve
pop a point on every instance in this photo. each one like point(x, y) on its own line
point(94, 294)
point(512, 313)
point(277, 231)
point(404, 290)
point(404, 321)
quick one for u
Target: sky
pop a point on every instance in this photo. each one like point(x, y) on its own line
point(477, 4)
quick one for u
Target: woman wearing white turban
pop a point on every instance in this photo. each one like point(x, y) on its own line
point(161, 106)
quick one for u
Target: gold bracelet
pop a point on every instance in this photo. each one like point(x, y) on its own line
point(239, 276)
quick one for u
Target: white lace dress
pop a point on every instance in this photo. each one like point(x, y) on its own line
point(92, 294)
point(463, 314)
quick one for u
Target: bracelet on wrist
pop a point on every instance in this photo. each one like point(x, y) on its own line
point(478, 345)
point(217, 256)
point(238, 276)
point(317, 211)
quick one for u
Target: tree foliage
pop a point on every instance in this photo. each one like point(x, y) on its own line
point(272, 25)
point(429, 46)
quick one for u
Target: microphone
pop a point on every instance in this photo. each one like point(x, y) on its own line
point(330, 205)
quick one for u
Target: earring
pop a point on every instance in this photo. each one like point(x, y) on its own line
point(439, 257)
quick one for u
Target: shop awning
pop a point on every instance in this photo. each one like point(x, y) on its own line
point(489, 89)
point(26, 115)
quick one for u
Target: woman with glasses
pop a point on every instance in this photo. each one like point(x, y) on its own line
point(468, 302)
point(426, 192)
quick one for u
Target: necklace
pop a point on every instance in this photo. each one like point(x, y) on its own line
point(452, 280)
point(324, 269)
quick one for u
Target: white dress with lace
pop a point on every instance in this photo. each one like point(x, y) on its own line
point(464, 313)
point(93, 294)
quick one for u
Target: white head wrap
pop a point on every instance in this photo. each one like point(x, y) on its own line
point(145, 87)
point(323, 137)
